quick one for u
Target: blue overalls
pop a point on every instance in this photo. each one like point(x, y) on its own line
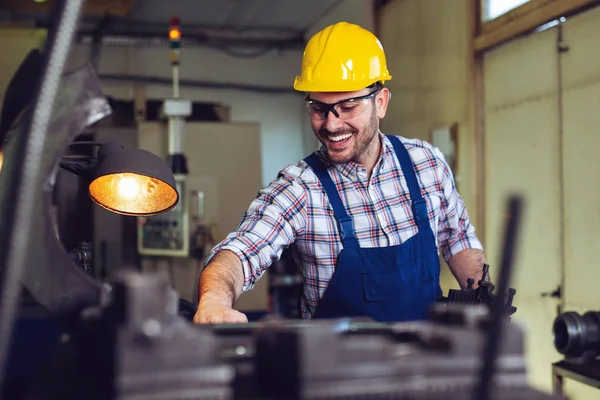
point(388, 284)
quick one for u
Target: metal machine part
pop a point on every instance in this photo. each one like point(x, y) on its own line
point(60, 110)
point(482, 295)
point(577, 336)
point(134, 346)
point(285, 286)
point(82, 255)
point(50, 274)
point(437, 359)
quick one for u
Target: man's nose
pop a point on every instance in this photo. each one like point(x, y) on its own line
point(332, 123)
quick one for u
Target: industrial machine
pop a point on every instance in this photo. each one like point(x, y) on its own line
point(168, 234)
point(577, 338)
point(135, 347)
point(483, 294)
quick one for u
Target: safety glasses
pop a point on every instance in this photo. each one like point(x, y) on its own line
point(343, 109)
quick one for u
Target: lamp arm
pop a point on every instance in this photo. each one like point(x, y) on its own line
point(84, 168)
point(86, 143)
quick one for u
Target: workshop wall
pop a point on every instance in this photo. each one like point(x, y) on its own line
point(285, 133)
point(540, 117)
point(521, 103)
point(542, 91)
point(281, 116)
point(286, 136)
point(427, 48)
point(580, 89)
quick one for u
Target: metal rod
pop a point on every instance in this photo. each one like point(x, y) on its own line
point(497, 317)
point(176, 128)
point(175, 81)
point(18, 223)
point(127, 38)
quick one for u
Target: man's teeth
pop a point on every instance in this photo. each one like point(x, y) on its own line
point(339, 138)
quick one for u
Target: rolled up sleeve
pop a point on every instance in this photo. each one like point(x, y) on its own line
point(455, 231)
point(270, 224)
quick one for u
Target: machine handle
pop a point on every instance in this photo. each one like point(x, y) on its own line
point(557, 293)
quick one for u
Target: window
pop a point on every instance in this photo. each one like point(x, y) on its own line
point(494, 8)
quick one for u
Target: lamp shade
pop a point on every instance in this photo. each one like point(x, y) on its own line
point(132, 182)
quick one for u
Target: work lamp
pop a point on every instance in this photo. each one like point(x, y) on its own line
point(132, 182)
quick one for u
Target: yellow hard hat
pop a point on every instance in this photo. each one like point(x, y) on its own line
point(342, 58)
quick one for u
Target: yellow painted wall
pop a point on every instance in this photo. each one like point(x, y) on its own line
point(522, 155)
point(580, 90)
point(427, 49)
point(15, 44)
point(528, 105)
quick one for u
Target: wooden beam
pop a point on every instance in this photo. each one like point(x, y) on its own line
point(513, 15)
point(525, 18)
point(477, 122)
point(90, 7)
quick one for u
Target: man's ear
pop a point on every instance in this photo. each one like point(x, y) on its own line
point(381, 101)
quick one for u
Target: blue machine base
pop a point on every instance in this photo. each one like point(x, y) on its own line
point(33, 342)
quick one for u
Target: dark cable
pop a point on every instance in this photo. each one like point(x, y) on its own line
point(156, 80)
point(497, 317)
point(30, 148)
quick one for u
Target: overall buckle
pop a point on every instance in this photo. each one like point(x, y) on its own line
point(346, 228)
point(420, 210)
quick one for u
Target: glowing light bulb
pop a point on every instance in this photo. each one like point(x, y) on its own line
point(1, 159)
point(174, 34)
point(128, 188)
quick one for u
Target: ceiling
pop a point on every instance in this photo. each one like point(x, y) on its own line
point(278, 15)
point(238, 22)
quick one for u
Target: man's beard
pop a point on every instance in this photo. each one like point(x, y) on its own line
point(361, 142)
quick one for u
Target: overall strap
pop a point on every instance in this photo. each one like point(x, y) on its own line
point(418, 203)
point(346, 226)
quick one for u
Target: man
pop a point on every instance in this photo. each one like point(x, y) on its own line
point(367, 213)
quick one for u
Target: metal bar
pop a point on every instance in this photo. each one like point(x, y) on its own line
point(175, 81)
point(176, 129)
point(561, 371)
point(15, 246)
point(560, 119)
point(191, 40)
point(557, 382)
point(497, 317)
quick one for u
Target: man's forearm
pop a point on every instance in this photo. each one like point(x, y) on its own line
point(467, 264)
point(222, 280)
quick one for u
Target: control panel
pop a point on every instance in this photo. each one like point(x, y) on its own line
point(166, 234)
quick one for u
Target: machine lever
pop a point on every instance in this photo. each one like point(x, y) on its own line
point(557, 293)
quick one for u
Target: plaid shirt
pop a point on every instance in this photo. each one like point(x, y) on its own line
point(295, 209)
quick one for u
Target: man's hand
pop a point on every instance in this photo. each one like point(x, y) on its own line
point(215, 313)
point(221, 283)
point(467, 264)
